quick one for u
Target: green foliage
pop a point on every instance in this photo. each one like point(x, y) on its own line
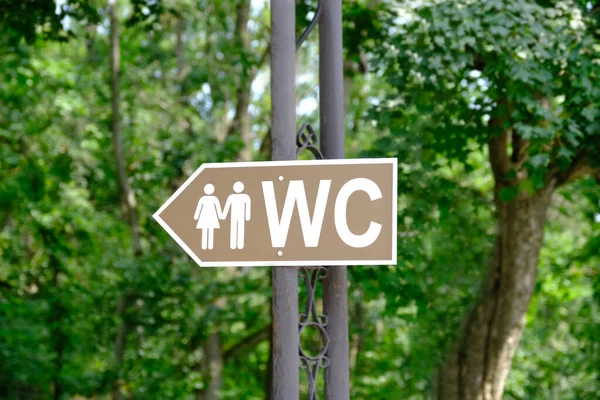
point(28, 20)
point(447, 68)
point(461, 73)
point(528, 68)
point(65, 247)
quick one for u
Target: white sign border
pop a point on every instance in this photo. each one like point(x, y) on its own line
point(346, 161)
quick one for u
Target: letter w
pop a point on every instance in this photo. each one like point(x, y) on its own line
point(311, 227)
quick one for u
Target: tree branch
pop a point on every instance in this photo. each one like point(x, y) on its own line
point(519, 149)
point(580, 167)
point(264, 56)
point(5, 285)
point(248, 342)
point(498, 149)
point(265, 144)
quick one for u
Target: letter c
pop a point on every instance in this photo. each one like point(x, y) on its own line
point(340, 213)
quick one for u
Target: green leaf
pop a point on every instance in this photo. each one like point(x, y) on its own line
point(508, 193)
point(540, 160)
point(527, 186)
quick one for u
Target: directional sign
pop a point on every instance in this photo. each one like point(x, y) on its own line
point(318, 212)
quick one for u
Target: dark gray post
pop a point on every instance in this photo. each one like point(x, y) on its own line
point(286, 360)
point(335, 286)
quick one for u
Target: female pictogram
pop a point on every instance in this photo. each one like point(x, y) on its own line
point(207, 216)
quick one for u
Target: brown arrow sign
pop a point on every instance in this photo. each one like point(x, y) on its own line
point(318, 212)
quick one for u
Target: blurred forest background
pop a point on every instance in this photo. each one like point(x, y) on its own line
point(492, 109)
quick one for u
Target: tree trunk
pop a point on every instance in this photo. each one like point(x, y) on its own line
point(358, 338)
point(269, 377)
point(127, 195)
point(179, 27)
point(270, 365)
point(56, 324)
point(120, 345)
point(242, 125)
point(214, 366)
point(128, 201)
point(478, 365)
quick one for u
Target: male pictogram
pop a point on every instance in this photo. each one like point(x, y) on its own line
point(238, 206)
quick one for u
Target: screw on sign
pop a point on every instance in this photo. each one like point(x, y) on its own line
point(325, 212)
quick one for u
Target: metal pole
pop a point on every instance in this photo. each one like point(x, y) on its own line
point(286, 360)
point(335, 286)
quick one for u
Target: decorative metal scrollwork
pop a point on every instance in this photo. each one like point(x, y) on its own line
point(307, 139)
point(310, 317)
point(310, 26)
